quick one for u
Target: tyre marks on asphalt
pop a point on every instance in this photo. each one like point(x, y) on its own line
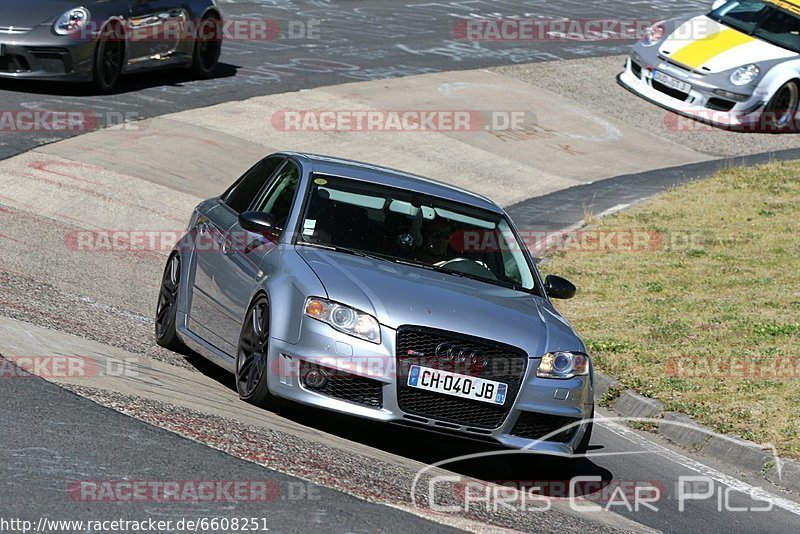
point(356, 42)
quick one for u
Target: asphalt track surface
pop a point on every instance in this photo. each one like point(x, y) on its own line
point(348, 40)
point(47, 457)
point(56, 437)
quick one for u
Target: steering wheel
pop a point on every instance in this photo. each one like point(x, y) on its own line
point(469, 267)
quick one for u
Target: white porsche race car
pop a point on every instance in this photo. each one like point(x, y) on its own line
point(736, 67)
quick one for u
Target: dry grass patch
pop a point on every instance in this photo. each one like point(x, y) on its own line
point(708, 322)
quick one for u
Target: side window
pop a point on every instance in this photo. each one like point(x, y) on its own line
point(241, 194)
point(277, 199)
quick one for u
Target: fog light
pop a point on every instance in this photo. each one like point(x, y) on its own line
point(738, 97)
point(314, 378)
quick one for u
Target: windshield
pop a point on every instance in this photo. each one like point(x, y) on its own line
point(405, 227)
point(775, 21)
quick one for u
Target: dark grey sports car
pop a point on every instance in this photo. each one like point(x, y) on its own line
point(98, 40)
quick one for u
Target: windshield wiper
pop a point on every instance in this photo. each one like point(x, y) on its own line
point(495, 281)
point(353, 251)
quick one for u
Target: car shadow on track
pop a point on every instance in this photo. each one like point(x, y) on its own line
point(490, 462)
point(129, 83)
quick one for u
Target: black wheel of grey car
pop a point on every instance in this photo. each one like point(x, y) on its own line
point(207, 47)
point(780, 111)
point(583, 446)
point(251, 355)
point(167, 308)
point(109, 59)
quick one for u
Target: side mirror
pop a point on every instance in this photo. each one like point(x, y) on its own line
point(257, 222)
point(559, 288)
point(718, 4)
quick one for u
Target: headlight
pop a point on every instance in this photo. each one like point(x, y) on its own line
point(71, 21)
point(344, 319)
point(563, 365)
point(745, 75)
point(653, 34)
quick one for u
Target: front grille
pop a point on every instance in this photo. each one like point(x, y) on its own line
point(532, 425)
point(48, 51)
point(503, 363)
point(14, 63)
point(51, 59)
point(636, 69)
point(720, 104)
point(346, 386)
point(669, 91)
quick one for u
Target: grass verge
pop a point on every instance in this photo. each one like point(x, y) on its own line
point(693, 298)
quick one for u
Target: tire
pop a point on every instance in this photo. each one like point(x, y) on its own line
point(582, 447)
point(207, 47)
point(781, 110)
point(252, 355)
point(167, 308)
point(109, 59)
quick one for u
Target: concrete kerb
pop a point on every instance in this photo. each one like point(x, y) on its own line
point(682, 430)
point(631, 404)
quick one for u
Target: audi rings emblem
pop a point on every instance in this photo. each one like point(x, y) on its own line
point(460, 355)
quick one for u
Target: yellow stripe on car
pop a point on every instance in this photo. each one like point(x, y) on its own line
point(793, 6)
point(698, 53)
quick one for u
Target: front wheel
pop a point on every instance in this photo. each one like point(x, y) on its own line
point(252, 353)
point(207, 47)
point(781, 110)
point(167, 309)
point(109, 59)
point(583, 446)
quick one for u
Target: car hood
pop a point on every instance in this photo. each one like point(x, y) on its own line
point(404, 295)
point(704, 45)
point(28, 13)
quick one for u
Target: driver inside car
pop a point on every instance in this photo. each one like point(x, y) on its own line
point(435, 242)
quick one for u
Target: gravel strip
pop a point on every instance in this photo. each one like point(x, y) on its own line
point(592, 83)
point(40, 303)
point(366, 478)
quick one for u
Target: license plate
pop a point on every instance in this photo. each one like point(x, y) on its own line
point(456, 385)
point(671, 82)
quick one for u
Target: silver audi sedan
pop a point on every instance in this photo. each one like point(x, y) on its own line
point(376, 293)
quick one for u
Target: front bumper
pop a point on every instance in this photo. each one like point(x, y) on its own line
point(41, 55)
point(701, 103)
point(543, 406)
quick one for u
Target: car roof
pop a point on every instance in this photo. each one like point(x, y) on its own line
point(392, 177)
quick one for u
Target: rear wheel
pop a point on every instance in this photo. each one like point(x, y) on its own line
point(109, 59)
point(167, 309)
point(251, 355)
point(207, 47)
point(780, 111)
